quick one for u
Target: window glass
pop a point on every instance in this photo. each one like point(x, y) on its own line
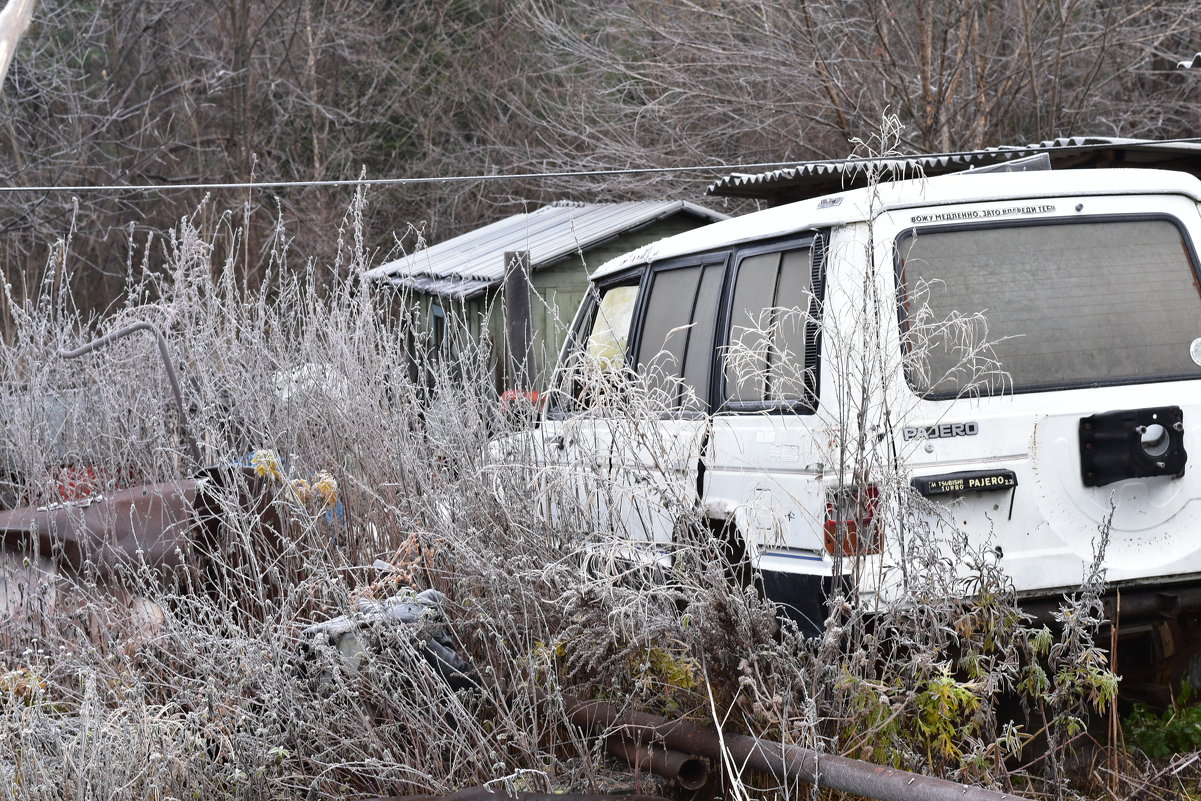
point(593, 371)
point(666, 327)
point(767, 360)
point(701, 339)
point(1025, 307)
point(676, 345)
point(789, 362)
point(437, 328)
point(610, 332)
point(750, 326)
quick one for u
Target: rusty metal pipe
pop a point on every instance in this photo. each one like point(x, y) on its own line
point(688, 771)
point(168, 365)
point(484, 794)
point(154, 524)
point(787, 763)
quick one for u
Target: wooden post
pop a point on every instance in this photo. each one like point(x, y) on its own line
point(519, 322)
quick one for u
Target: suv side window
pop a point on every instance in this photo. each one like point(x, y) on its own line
point(675, 348)
point(771, 356)
point(595, 359)
point(609, 334)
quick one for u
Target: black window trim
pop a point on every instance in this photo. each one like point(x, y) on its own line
point(902, 316)
point(818, 240)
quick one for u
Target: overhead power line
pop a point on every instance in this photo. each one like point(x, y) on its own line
point(602, 173)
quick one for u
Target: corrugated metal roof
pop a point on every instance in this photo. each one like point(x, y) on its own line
point(445, 287)
point(814, 179)
point(918, 195)
point(467, 265)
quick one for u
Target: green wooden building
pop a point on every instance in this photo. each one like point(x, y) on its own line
point(454, 287)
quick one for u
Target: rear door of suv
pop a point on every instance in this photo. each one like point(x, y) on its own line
point(1053, 371)
point(768, 454)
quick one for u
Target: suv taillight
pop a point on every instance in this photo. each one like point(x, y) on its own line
point(513, 399)
point(851, 528)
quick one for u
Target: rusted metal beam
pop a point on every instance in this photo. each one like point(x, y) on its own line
point(1137, 605)
point(786, 763)
point(173, 527)
point(152, 524)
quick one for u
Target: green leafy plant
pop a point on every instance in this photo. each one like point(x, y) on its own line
point(1175, 730)
point(945, 713)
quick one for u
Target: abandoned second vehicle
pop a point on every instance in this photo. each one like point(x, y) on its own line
point(1006, 360)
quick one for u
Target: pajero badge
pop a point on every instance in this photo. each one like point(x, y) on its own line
point(941, 431)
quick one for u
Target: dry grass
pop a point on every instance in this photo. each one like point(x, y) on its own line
point(137, 688)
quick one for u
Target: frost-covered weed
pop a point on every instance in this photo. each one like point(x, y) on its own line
point(130, 686)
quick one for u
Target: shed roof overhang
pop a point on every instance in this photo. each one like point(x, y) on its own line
point(468, 265)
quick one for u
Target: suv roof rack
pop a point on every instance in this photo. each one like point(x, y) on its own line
point(1039, 161)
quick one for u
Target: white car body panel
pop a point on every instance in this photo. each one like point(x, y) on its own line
point(770, 473)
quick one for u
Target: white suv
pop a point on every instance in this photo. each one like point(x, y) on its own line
point(1023, 350)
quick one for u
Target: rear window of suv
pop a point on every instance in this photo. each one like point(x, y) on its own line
point(1034, 307)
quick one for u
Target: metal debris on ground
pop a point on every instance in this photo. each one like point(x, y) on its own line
point(688, 771)
point(168, 526)
point(366, 630)
point(786, 763)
